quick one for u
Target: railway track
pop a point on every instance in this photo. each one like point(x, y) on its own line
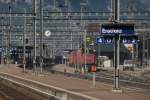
point(122, 76)
point(44, 89)
point(8, 93)
point(40, 91)
point(127, 82)
point(146, 76)
point(18, 89)
point(4, 96)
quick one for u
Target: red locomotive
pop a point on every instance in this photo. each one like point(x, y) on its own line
point(77, 57)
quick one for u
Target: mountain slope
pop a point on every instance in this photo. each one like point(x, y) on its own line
point(93, 5)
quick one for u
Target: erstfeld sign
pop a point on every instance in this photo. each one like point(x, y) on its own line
point(117, 28)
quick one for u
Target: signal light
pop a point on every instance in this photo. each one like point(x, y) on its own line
point(89, 40)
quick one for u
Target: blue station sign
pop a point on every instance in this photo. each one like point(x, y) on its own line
point(107, 39)
point(129, 39)
point(117, 28)
point(104, 40)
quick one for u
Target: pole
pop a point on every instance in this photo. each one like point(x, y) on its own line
point(111, 10)
point(53, 53)
point(2, 58)
point(116, 63)
point(133, 52)
point(137, 51)
point(99, 54)
point(147, 53)
point(83, 25)
point(94, 79)
point(69, 10)
point(54, 3)
point(65, 69)
point(116, 87)
point(24, 47)
point(82, 69)
point(85, 49)
point(41, 29)
point(9, 37)
point(34, 18)
point(143, 52)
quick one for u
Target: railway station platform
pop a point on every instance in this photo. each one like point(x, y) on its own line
point(101, 91)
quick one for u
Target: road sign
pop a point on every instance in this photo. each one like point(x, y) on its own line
point(117, 28)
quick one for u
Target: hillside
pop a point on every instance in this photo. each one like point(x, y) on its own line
point(93, 5)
